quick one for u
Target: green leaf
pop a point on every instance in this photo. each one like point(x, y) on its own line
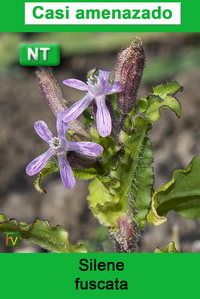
point(181, 194)
point(125, 182)
point(161, 98)
point(55, 239)
point(169, 88)
point(131, 177)
point(51, 167)
point(143, 184)
point(85, 174)
point(109, 155)
point(170, 248)
point(135, 171)
point(88, 119)
point(106, 207)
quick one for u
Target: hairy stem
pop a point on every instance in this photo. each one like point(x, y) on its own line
point(125, 238)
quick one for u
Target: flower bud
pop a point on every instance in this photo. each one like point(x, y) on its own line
point(50, 89)
point(129, 69)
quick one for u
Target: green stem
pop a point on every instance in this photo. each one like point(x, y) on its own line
point(126, 236)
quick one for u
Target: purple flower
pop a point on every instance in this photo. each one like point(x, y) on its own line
point(97, 88)
point(59, 146)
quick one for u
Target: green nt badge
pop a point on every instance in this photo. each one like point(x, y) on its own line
point(39, 55)
point(12, 239)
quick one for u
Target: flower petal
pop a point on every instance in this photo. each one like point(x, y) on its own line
point(104, 77)
point(77, 108)
point(103, 118)
point(116, 87)
point(42, 130)
point(86, 148)
point(61, 125)
point(39, 163)
point(78, 84)
point(66, 172)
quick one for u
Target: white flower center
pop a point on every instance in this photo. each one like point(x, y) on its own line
point(55, 143)
point(95, 85)
point(58, 145)
point(92, 80)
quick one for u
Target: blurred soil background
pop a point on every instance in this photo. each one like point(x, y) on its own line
point(170, 56)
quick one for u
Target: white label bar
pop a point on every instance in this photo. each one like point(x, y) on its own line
point(109, 13)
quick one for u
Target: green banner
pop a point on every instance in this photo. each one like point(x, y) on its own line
point(84, 276)
point(130, 16)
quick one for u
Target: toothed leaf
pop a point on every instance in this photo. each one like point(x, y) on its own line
point(161, 98)
point(54, 239)
point(170, 248)
point(181, 194)
point(106, 207)
point(135, 170)
point(131, 178)
point(51, 167)
point(143, 185)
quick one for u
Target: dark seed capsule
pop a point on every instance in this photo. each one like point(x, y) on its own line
point(129, 69)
